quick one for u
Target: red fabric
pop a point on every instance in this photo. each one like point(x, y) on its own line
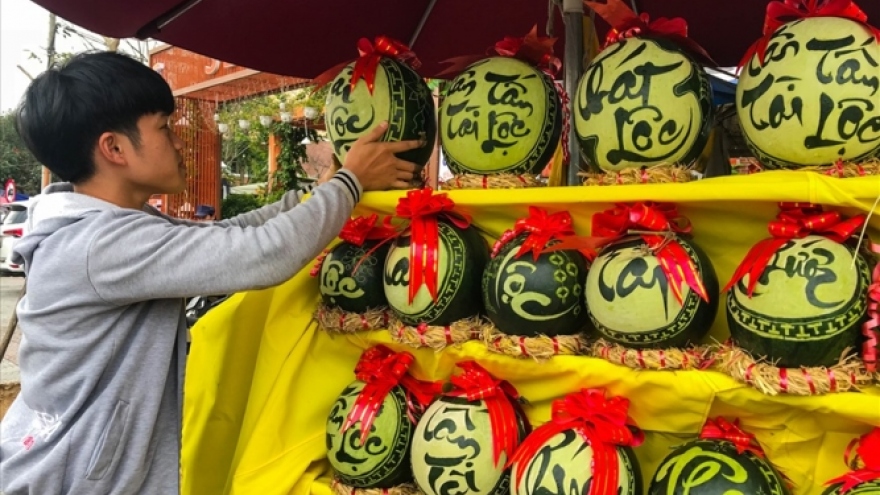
point(423, 208)
point(360, 229)
point(602, 423)
point(871, 328)
point(785, 11)
point(868, 452)
point(794, 221)
point(533, 49)
point(661, 218)
point(475, 383)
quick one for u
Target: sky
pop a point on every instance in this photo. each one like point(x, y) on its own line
point(24, 27)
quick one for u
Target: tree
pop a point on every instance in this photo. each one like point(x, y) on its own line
point(16, 162)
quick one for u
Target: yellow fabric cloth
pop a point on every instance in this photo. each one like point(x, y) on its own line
point(262, 377)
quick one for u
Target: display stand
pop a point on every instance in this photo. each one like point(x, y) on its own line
point(262, 376)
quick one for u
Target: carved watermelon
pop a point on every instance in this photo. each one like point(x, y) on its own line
point(714, 467)
point(400, 96)
point(354, 290)
point(383, 460)
point(631, 303)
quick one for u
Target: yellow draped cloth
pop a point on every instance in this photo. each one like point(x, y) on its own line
point(262, 377)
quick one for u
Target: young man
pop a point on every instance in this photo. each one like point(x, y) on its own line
point(102, 357)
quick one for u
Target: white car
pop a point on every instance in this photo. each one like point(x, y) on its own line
point(11, 229)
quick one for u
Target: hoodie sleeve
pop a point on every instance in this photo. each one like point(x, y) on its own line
point(140, 257)
point(253, 218)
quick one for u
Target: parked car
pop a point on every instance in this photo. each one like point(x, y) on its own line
point(12, 228)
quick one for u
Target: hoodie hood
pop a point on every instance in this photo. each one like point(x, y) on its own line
point(56, 207)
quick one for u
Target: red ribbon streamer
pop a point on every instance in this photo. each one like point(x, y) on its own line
point(868, 452)
point(871, 328)
point(475, 383)
point(626, 24)
point(383, 369)
point(542, 228)
point(602, 423)
point(366, 64)
point(663, 218)
point(785, 11)
point(722, 429)
point(423, 208)
point(794, 221)
point(533, 49)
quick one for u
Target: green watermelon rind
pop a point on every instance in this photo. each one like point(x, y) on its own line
point(791, 353)
point(867, 488)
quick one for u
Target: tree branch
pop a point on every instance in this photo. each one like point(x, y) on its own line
point(29, 76)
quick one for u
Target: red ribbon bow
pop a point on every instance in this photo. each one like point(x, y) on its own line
point(626, 24)
point(542, 228)
point(794, 221)
point(423, 208)
point(871, 328)
point(722, 429)
point(475, 383)
point(533, 49)
point(785, 11)
point(381, 369)
point(361, 229)
point(366, 64)
point(602, 423)
point(868, 452)
point(664, 219)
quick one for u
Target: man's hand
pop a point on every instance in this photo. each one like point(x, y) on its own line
point(374, 163)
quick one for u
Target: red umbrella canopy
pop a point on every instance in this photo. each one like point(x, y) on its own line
point(303, 38)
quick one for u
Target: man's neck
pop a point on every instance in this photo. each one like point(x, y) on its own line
point(116, 194)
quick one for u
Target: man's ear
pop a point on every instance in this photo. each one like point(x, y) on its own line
point(110, 148)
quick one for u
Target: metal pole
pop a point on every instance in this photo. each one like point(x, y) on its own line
point(573, 14)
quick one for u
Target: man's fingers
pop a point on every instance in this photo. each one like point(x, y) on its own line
point(403, 175)
point(405, 166)
point(399, 146)
point(399, 184)
point(375, 134)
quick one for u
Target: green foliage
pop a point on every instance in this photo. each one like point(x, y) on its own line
point(236, 204)
point(16, 162)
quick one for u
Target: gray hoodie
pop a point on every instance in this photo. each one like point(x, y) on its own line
point(104, 336)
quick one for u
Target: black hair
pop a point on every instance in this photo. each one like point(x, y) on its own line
point(66, 109)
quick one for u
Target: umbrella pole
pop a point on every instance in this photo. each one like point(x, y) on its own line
point(573, 15)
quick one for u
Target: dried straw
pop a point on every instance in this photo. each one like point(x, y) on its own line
point(663, 173)
point(848, 374)
point(848, 169)
point(334, 320)
point(652, 359)
point(493, 181)
point(540, 348)
point(405, 489)
point(437, 337)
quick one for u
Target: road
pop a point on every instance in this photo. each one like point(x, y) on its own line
point(10, 288)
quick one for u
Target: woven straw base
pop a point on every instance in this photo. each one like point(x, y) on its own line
point(437, 337)
point(334, 320)
point(493, 181)
point(540, 348)
point(658, 174)
point(405, 489)
point(848, 374)
point(652, 359)
point(847, 170)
